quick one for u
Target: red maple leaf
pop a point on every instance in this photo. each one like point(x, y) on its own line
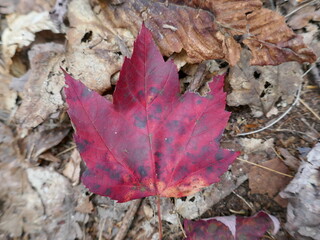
point(232, 227)
point(151, 140)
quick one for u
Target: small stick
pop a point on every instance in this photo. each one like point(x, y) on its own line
point(127, 220)
point(269, 169)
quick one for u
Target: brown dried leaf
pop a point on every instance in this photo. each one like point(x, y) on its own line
point(263, 181)
point(41, 95)
point(272, 42)
point(93, 46)
point(41, 140)
point(72, 168)
point(21, 207)
point(215, 27)
point(21, 32)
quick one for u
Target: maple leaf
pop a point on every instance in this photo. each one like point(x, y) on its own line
point(151, 140)
point(231, 227)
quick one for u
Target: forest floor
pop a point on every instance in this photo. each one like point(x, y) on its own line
point(41, 194)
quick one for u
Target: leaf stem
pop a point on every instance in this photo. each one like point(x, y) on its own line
point(159, 217)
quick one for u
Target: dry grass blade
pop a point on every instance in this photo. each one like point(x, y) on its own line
point(309, 108)
point(269, 169)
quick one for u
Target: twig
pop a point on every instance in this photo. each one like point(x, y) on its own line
point(127, 220)
point(310, 109)
point(269, 169)
point(286, 112)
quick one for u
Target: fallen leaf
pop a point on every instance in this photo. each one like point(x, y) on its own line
point(56, 198)
point(21, 205)
point(303, 16)
point(157, 142)
point(84, 205)
point(21, 32)
point(41, 95)
point(262, 181)
point(261, 87)
point(92, 45)
point(289, 160)
point(41, 140)
point(232, 227)
point(303, 212)
point(72, 167)
point(218, 29)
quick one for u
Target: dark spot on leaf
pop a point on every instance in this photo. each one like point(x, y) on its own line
point(217, 139)
point(140, 122)
point(205, 149)
point(154, 90)
point(219, 155)
point(108, 191)
point(85, 92)
point(142, 171)
point(183, 198)
point(82, 145)
point(111, 173)
point(169, 140)
point(141, 94)
point(209, 169)
point(192, 199)
point(96, 187)
point(180, 173)
point(158, 168)
point(158, 108)
point(173, 124)
point(158, 154)
point(87, 173)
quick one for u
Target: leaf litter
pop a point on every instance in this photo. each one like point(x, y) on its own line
point(119, 33)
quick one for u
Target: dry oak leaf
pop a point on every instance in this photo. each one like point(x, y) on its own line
point(212, 29)
point(151, 140)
